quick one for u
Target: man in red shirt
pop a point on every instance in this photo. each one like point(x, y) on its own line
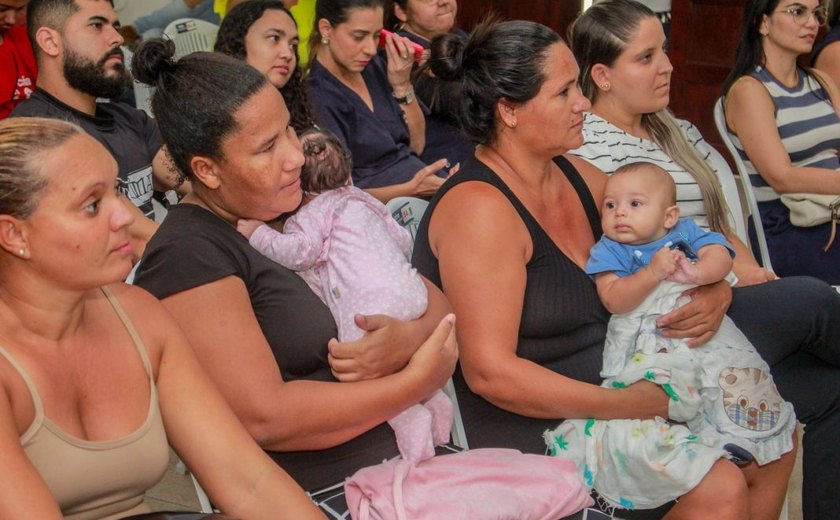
point(17, 63)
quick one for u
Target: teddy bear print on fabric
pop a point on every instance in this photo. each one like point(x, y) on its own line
point(750, 398)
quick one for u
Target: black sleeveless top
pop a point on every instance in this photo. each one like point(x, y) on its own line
point(563, 322)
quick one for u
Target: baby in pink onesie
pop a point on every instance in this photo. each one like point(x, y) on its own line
point(354, 255)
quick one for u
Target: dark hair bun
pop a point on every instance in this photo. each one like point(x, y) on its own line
point(447, 56)
point(153, 59)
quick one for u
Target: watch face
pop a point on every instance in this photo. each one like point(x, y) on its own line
point(406, 99)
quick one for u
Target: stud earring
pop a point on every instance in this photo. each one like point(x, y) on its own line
point(605, 87)
point(325, 40)
point(22, 252)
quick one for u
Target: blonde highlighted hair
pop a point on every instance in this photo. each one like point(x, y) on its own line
point(600, 35)
point(23, 142)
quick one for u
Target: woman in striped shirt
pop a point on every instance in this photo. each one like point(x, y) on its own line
point(786, 128)
point(624, 70)
point(629, 85)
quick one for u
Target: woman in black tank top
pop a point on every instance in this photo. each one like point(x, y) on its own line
point(506, 239)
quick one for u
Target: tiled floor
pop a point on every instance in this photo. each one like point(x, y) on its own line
point(176, 492)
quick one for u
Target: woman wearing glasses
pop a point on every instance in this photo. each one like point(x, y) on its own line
point(783, 119)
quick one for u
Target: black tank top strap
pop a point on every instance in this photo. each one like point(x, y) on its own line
point(590, 207)
point(486, 174)
point(475, 170)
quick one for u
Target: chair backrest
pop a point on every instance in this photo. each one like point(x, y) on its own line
point(191, 35)
point(730, 193)
point(408, 211)
point(142, 92)
point(143, 97)
point(746, 186)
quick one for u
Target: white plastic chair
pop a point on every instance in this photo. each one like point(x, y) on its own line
point(143, 97)
point(191, 35)
point(749, 196)
point(204, 500)
point(408, 211)
point(730, 193)
point(142, 92)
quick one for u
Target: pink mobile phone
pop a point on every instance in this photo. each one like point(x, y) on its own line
point(383, 40)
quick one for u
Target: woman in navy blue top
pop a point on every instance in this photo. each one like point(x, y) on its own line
point(369, 101)
point(420, 21)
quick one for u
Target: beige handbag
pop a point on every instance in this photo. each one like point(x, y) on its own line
point(812, 209)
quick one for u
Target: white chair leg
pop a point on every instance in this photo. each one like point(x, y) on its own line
point(459, 435)
point(784, 515)
point(203, 499)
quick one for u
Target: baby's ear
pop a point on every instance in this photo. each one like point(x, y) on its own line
point(672, 215)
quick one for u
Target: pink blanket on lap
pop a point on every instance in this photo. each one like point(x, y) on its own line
point(478, 484)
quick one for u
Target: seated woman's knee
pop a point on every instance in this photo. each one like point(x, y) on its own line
point(722, 493)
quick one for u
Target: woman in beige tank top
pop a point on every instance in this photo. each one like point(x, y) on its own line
point(91, 370)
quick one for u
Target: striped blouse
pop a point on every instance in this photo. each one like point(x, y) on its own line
point(608, 148)
point(807, 123)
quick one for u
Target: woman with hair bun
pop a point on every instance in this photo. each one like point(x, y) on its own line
point(262, 335)
point(264, 34)
point(507, 239)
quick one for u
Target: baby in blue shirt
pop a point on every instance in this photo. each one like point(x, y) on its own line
point(722, 391)
point(645, 241)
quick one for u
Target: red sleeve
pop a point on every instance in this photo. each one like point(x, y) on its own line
point(18, 71)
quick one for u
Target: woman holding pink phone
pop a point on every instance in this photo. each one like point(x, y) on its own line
point(421, 21)
point(368, 101)
point(416, 49)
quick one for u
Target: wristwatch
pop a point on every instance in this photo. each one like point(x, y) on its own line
point(407, 99)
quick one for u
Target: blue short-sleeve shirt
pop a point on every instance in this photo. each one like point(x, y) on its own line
point(607, 255)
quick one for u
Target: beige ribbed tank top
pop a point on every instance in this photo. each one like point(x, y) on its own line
point(98, 480)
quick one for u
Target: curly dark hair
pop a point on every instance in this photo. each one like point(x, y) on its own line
point(231, 41)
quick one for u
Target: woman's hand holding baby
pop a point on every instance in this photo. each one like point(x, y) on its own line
point(382, 352)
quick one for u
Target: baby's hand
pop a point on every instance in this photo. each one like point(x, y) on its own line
point(686, 272)
point(663, 263)
point(248, 226)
